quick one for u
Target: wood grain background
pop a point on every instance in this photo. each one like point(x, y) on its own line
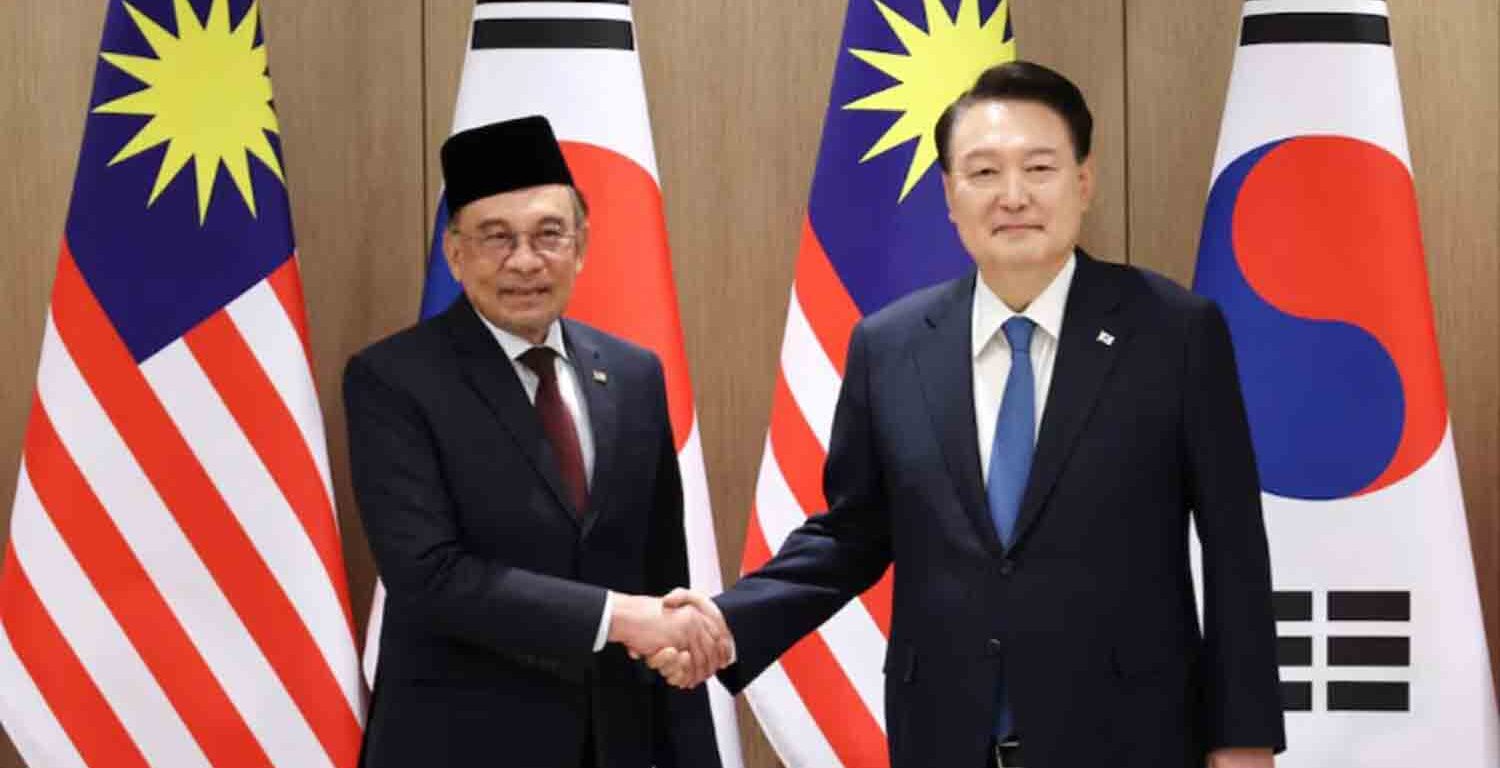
point(737, 90)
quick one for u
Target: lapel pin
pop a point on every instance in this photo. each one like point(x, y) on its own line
point(601, 376)
point(1106, 339)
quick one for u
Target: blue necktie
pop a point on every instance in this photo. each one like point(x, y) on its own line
point(1015, 432)
point(1010, 462)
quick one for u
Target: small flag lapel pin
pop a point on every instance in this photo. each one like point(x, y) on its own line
point(1106, 338)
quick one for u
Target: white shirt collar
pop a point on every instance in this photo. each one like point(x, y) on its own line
point(515, 346)
point(1046, 310)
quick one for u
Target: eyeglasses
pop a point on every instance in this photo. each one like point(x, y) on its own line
point(499, 246)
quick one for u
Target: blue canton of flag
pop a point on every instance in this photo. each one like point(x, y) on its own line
point(162, 258)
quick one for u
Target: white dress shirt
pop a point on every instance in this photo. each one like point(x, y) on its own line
point(572, 397)
point(991, 351)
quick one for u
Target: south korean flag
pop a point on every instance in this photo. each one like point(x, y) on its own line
point(1311, 244)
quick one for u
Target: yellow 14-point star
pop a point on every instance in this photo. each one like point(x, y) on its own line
point(938, 65)
point(208, 95)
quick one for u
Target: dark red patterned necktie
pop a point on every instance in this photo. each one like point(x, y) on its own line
point(557, 423)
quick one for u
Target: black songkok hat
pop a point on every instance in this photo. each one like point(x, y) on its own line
point(501, 157)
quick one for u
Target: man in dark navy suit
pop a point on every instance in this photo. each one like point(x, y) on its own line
point(518, 481)
point(1027, 445)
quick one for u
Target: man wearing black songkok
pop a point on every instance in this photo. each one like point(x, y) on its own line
point(517, 478)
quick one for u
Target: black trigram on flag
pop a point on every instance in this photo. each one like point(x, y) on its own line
point(1362, 666)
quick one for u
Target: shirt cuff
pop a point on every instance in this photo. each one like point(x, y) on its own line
point(602, 635)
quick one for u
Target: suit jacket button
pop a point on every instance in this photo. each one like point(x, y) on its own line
point(1007, 567)
point(993, 647)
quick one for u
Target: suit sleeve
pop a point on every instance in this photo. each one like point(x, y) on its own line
point(410, 522)
point(831, 558)
point(684, 736)
point(1242, 706)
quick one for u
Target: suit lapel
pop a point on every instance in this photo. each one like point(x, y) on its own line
point(603, 413)
point(493, 377)
point(945, 368)
point(1093, 336)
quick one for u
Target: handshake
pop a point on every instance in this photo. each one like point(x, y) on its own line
point(682, 636)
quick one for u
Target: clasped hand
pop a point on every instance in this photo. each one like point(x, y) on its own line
point(682, 636)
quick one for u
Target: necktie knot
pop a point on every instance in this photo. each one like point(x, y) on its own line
point(1018, 332)
point(539, 360)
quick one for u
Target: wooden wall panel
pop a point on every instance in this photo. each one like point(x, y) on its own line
point(445, 34)
point(1179, 58)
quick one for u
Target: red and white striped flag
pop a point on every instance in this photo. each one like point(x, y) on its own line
point(576, 63)
point(877, 228)
point(173, 591)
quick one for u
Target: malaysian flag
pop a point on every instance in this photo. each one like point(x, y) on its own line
point(575, 62)
point(173, 591)
point(877, 228)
